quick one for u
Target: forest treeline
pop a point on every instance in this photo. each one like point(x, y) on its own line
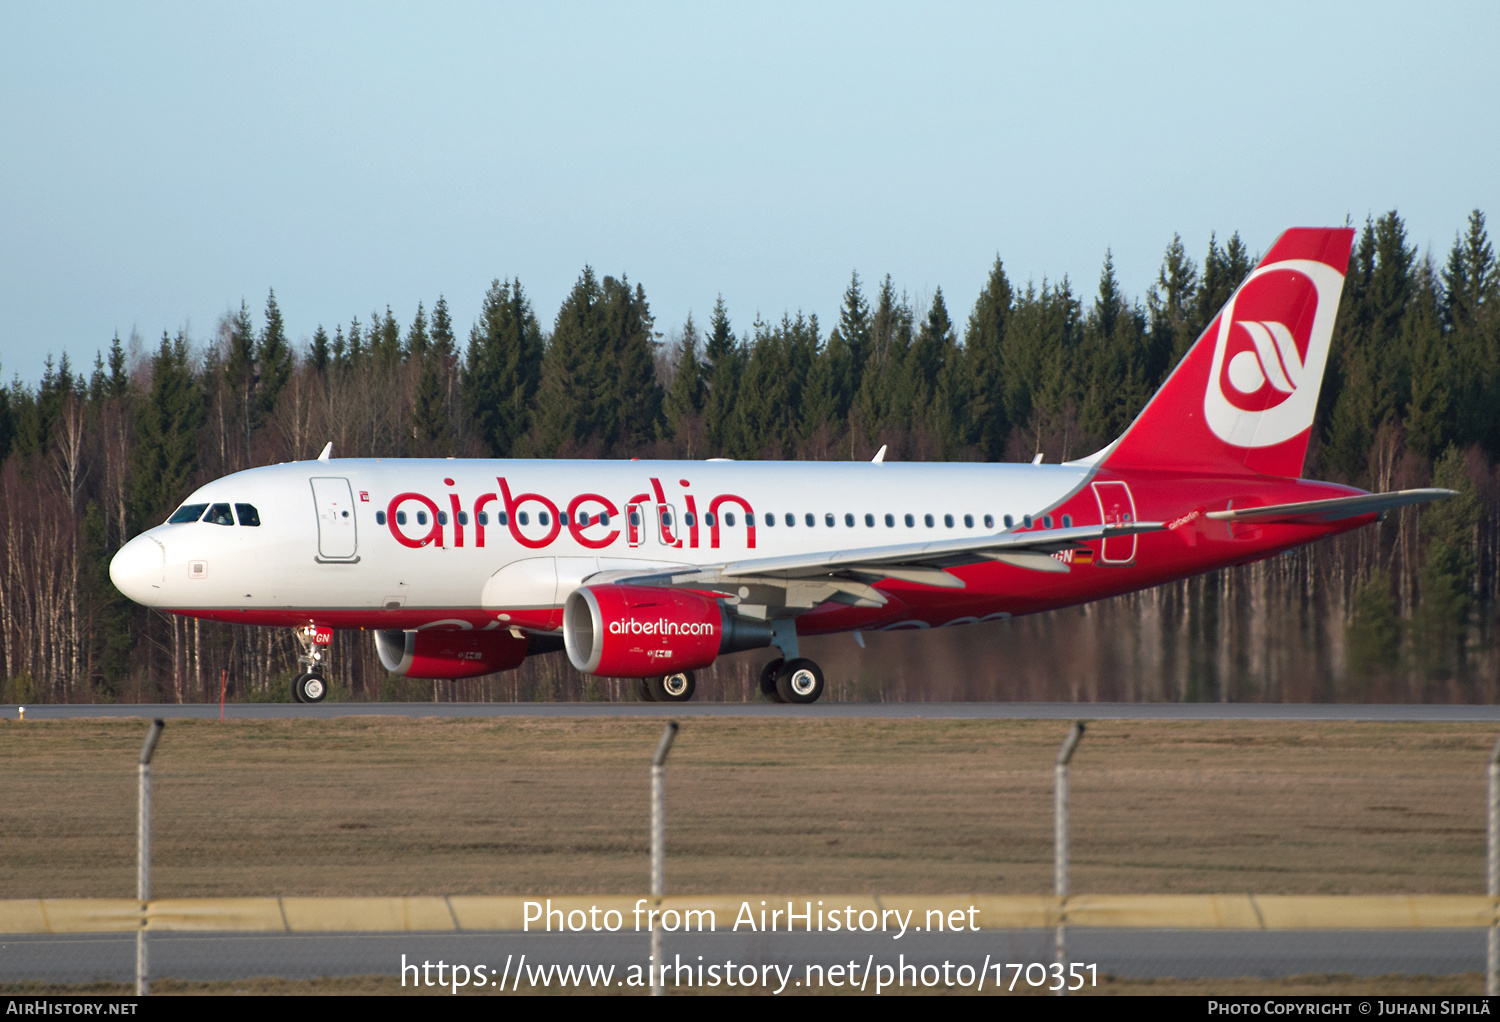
point(1403, 610)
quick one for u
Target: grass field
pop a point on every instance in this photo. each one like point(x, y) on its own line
point(519, 806)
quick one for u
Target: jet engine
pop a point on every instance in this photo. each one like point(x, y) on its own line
point(626, 631)
point(448, 654)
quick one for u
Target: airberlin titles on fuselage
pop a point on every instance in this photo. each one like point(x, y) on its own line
point(592, 519)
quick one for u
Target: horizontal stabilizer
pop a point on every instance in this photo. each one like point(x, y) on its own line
point(1333, 510)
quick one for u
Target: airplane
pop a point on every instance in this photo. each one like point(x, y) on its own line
point(653, 569)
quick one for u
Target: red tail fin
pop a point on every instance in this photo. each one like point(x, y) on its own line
point(1243, 399)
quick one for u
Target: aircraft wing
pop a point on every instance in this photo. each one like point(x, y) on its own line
point(1331, 510)
point(848, 573)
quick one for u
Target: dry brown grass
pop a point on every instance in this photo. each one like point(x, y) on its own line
point(382, 806)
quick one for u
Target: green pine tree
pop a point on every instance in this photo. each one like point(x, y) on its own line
point(988, 428)
point(503, 367)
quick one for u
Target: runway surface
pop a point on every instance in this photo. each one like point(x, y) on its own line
point(1126, 953)
point(951, 711)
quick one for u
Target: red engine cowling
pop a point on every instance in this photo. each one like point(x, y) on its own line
point(625, 631)
point(448, 654)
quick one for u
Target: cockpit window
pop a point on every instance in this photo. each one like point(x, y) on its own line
point(248, 514)
point(219, 515)
point(187, 513)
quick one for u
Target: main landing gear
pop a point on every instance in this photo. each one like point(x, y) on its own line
point(798, 680)
point(310, 686)
point(670, 688)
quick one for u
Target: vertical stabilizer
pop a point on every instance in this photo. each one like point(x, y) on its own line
point(1243, 399)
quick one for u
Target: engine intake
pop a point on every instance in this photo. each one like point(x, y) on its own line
point(448, 654)
point(626, 631)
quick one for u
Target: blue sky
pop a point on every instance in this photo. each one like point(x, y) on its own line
point(160, 162)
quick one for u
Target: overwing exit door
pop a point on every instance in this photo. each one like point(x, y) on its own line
point(337, 533)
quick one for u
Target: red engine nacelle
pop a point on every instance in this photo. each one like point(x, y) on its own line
point(448, 654)
point(628, 631)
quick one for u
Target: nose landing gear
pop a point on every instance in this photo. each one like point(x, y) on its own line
point(310, 686)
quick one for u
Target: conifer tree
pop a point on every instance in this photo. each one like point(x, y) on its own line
point(629, 412)
point(273, 356)
point(683, 404)
point(1440, 621)
point(417, 341)
point(320, 353)
point(503, 367)
point(854, 332)
point(1174, 318)
point(983, 341)
point(241, 373)
point(723, 363)
point(167, 423)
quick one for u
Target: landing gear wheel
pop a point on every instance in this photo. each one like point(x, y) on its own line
point(309, 688)
point(768, 681)
point(799, 681)
point(643, 689)
point(674, 688)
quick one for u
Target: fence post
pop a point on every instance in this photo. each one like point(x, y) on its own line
point(143, 851)
point(1492, 871)
point(658, 848)
point(1060, 843)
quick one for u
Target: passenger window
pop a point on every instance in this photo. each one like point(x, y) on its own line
point(248, 515)
point(219, 515)
point(1026, 521)
point(968, 521)
point(708, 519)
point(483, 518)
point(421, 517)
point(989, 522)
point(948, 521)
point(603, 517)
point(562, 518)
point(502, 518)
point(849, 521)
point(1067, 521)
point(442, 518)
point(927, 519)
point(400, 517)
point(890, 521)
point(379, 517)
point(666, 518)
point(187, 513)
point(910, 522)
point(523, 517)
point(1046, 521)
point(791, 519)
point(810, 520)
point(828, 520)
point(770, 518)
point(463, 518)
point(583, 519)
point(1010, 523)
point(635, 518)
point(729, 518)
point(869, 521)
point(542, 518)
point(689, 519)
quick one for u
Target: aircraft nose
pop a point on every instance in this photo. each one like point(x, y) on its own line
point(137, 569)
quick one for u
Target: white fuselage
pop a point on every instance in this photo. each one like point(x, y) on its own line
point(373, 536)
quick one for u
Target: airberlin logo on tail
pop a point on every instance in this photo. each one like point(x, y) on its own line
point(1269, 353)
